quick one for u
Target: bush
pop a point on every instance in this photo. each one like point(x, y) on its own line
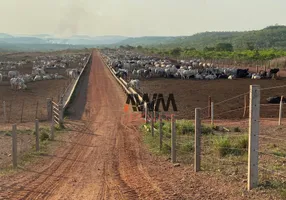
point(187, 147)
point(207, 130)
point(222, 144)
point(226, 146)
point(44, 136)
point(185, 127)
point(242, 142)
point(236, 129)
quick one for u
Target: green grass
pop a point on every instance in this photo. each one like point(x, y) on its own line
point(226, 145)
point(30, 155)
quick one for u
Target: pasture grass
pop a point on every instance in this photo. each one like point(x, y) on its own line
point(185, 130)
point(31, 155)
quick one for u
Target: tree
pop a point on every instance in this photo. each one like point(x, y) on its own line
point(224, 47)
point(176, 51)
point(139, 47)
point(250, 46)
point(209, 49)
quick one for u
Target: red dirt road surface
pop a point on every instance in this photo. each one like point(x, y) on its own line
point(104, 158)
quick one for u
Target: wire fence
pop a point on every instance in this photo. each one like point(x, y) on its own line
point(224, 149)
point(26, 107)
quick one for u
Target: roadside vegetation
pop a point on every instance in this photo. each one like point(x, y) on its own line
point(224, 151)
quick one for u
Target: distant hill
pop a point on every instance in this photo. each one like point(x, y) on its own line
point(269, 37)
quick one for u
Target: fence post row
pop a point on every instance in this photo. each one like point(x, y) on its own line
point(4, 112)
point(152, 123)
point(209, 106)
point(173, 139)
point(254, 113)
point(37, 134)
point(14, 145)
point(212, 113)
point(146, 111)
point(280, 111)
point(49, 108)
point(197, 162)
point(52, 128)
point(160, 131)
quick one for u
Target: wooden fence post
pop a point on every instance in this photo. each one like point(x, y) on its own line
point(254, 113)
point(280, 111)
point(146, 111)
point(4, 111)
point(197, 162)
point(22, 111)
point(61, 114)
point(49, 108)
point(37, 134)
point(14, 145)
point(212, 113)
point(10, 113)
point(152, 123)
point(209, 106)
point(160, 131)
point(37, 106)
point(245, 105)
point(173, 139)
point(52, 128)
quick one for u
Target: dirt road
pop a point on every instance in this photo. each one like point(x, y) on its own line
point(104, 158)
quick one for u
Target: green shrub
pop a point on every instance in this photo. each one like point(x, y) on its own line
point(44, 136)
point(242, 142)
point(223, 145)
point(207, 130)
point(187, 147)
point(185, 127)
point(236, 129)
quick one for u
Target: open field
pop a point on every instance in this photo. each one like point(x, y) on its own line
point(190, 94)
point(32, 102)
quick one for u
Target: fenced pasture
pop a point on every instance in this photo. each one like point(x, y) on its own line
point(250, 154)
point(190, 94)
point(30, 104)
point(37, 113)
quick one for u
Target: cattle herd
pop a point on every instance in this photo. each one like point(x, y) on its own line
point(133, 66)
point(10, 71)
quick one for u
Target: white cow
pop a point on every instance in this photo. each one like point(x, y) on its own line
point(17, 83)
point(38, 78)
point(72, 73)
point(134, 83)
point(13, 74)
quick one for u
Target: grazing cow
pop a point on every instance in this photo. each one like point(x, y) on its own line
point(273, 73)
point(241, 73)
point(17, 83)
point(122, 73)
point(231, 77)
point(38, 78)
point(134, 83)
point(72, 73)
point(13, 74)
point(275, 100)
point(255, 76)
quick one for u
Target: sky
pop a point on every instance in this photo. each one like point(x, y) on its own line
point(135, 18)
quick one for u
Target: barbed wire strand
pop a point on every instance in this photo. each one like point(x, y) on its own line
point(273, 172)
point(275, 87)
point(270, 154)
point(265, 137)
